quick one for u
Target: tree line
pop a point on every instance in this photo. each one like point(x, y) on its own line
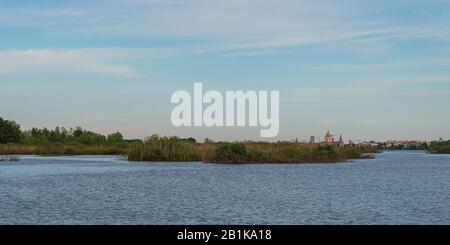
point(10, 133)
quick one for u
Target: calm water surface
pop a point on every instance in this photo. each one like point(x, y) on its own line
point(394, 188)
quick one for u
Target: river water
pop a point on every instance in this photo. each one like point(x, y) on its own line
point(395, 188)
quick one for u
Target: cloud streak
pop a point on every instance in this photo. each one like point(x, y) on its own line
point(101, 61)
point(237, 25)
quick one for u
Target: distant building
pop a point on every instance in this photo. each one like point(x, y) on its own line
point(328, 138)
point(312, 140)
point(341, 141)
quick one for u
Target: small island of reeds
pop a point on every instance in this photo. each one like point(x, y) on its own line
point(440, 147)
point(157, 148)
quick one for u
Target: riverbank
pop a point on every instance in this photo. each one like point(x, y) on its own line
point(78, 141)
point(61, 149)
point(173, 149)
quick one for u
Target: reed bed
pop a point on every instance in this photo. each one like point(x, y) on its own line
point(441, 149)
point(61, 149)
point(157, 149)
point(164, 149)
point(174, 149)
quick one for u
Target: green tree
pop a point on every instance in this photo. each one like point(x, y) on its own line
point(115, 138)
point(9, 132)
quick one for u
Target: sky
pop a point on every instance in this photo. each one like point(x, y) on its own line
point(371, 70)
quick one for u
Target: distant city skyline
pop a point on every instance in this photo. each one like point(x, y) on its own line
point(371, 70)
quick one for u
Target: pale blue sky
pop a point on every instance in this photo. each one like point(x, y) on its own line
point(367, 69)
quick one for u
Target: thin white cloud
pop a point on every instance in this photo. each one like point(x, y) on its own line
point(248, 53)
point(235, 25)
point(265, 24)
point(103, 61)
point(58, 12)
point(385, 66)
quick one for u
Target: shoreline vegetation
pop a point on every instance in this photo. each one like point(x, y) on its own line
point(78, 141)
point(440, 148)
point(175, 149)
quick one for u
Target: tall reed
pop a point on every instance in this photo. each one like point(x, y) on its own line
point(157, 148)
